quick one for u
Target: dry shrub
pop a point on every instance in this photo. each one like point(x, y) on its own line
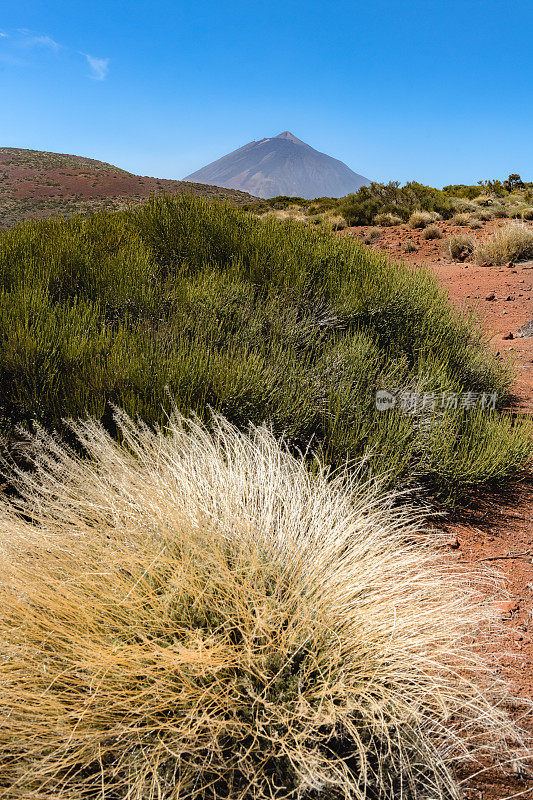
point(419, 219)
point(483, 200)
point(521, 212)
point(194, 615)
point(432, 232)
point(335, 221)
point(511, 243)
point(457, 247)
point(484, 214)
point(463, 218)
point(372, 235)
point(387, 220)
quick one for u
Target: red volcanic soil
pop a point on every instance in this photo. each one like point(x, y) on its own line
point(498, 531)
point(470, 285)
point(34, 183)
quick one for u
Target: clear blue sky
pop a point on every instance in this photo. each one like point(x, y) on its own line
point(437, 91)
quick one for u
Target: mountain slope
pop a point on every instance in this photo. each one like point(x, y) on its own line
point(281, 165)
point(35, 183)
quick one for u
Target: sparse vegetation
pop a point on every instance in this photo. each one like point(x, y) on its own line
point(462, 218)
point(194, 615)
point(432, 232)
point(419, 219)
point(261, 320)
point(511, 243)
point(460, 246)
point(387, 220)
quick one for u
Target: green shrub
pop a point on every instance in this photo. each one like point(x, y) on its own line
point(260, 319)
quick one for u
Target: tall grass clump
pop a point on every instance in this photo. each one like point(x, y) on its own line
point(459, 246)
point(259, 319)
point(513, 242)
point(192, 614)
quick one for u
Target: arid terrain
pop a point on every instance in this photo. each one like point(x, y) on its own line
point(501, 297)
point(499, 531)
point(35, 184)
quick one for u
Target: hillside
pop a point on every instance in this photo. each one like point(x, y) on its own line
point(35, 183)
point(281, 165)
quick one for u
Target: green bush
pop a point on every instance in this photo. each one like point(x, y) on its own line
point(259, 319)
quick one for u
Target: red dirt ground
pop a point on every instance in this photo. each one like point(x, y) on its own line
point(499, 531)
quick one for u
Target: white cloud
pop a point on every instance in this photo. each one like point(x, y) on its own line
point(3, 35)
point(99, 67)
point(32, 39)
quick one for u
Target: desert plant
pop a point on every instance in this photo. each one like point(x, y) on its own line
point(484, 214)
point(387, 220)
point(372, 235)
point(432, 232)
point(483, 200)
point(409, 246)
point(419, 219)
point(260, 319)
point(334, 221)
point(193, 614)
point(462, 218)
point(514, 242)
point(458, 247)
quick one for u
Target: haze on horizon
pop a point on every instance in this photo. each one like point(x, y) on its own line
point(439, 93)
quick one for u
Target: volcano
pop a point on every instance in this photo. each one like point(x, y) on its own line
point(281, 165)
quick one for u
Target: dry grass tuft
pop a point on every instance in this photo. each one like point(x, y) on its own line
point(511, 243)
point(432, 232)
point(419, 219)
point(193, 615)
point(458, 247)
point(387, 220)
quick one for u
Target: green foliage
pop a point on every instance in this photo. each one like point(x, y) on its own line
point(261, 320)
point(378, 198)
point(514, 181)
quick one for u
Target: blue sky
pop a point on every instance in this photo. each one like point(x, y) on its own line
point(439, 92)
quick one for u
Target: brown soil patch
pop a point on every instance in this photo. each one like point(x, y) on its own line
point(35, 184)
point(499, 531)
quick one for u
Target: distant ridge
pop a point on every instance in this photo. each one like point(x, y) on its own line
point(36, 183)
point(281, 165)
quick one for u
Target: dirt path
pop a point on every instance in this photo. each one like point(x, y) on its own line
point(500, 532)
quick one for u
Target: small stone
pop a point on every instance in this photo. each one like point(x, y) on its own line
point(505, 608)
point(510, 298)
point(509, 336)
point(453, 543)
point(490, 296)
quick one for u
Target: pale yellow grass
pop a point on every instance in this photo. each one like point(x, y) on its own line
point(195, 615)
point(513, 242)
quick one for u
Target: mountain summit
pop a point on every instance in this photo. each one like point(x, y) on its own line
point(281, 165)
